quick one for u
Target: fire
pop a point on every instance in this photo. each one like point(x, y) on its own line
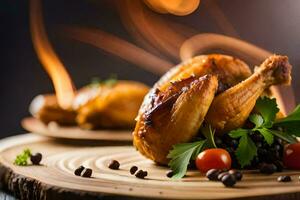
point(175, 7)
point(152, 31)
point(163, 41)
point(61, 80)
point(118, 47)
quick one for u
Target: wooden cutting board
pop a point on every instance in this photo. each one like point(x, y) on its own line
point(54, 179)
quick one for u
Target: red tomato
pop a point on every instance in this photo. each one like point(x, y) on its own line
point(291, 156)
point(213, 159)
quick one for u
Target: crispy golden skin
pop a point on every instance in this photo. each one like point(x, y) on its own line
point(110, 106)
point(176, 119)
point(46, 109)
point(229, 70)
point(169, 116)
point(99, 106)
point(230, 109)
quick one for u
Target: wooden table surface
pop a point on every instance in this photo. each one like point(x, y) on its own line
point(55, 178)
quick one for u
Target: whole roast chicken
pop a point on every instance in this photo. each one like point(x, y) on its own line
point(216, 89)
point(95, 106)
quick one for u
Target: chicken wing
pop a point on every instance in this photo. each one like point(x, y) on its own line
point(176, 118)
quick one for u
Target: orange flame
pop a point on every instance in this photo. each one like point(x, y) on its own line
point(175, 7)
point(61, 80)
point(118, 47)
point(151, 30)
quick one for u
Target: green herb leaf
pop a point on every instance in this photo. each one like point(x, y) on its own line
point(267, 108)
point(267, 134)
point(95, 81)
point(180, 156)
point(111, 81)
point(246, 150)
point(265, 125)
point(257, 120)
point(285, 136)
point(238, 133)
point(292, 128)
point(207, 131)
point(291, 123)
point(22, 159)
point(294, 116)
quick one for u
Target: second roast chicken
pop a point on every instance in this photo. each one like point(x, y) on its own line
point(96, 106)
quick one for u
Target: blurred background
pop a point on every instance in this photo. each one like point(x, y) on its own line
point(270, 24)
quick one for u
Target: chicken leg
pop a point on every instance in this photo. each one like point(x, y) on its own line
point(230, 109)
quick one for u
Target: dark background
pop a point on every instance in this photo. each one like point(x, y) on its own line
point(271, 24)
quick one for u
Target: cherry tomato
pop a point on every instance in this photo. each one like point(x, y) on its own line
point(291, 156)
point(213, 159)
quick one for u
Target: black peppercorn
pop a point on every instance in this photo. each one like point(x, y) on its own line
point(278, 140)
point(213, 174)
point(257, 137)
point(277, 147)
point(262, 152)
point(234, 143)
point(169, 174)
point(267, 168)
point(141, 174)
point(133, 169)
point(218, 141)
point(114, 164)
point(36, 158)
point(279, 166)
point(259, 145)
point(145, 173)
point(284, 179)
point(220, 176)
point(228, 180)
point(87, 173)
point(238, 174)
point(78, 171)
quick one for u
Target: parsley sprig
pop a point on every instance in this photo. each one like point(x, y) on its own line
point(265, 124)
point(111, 81)
point(22, 158)
point(181, 154)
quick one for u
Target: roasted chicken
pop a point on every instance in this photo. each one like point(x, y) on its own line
point(215, 88)
point(110, 106)
point(174, 109)
point(95, 106)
